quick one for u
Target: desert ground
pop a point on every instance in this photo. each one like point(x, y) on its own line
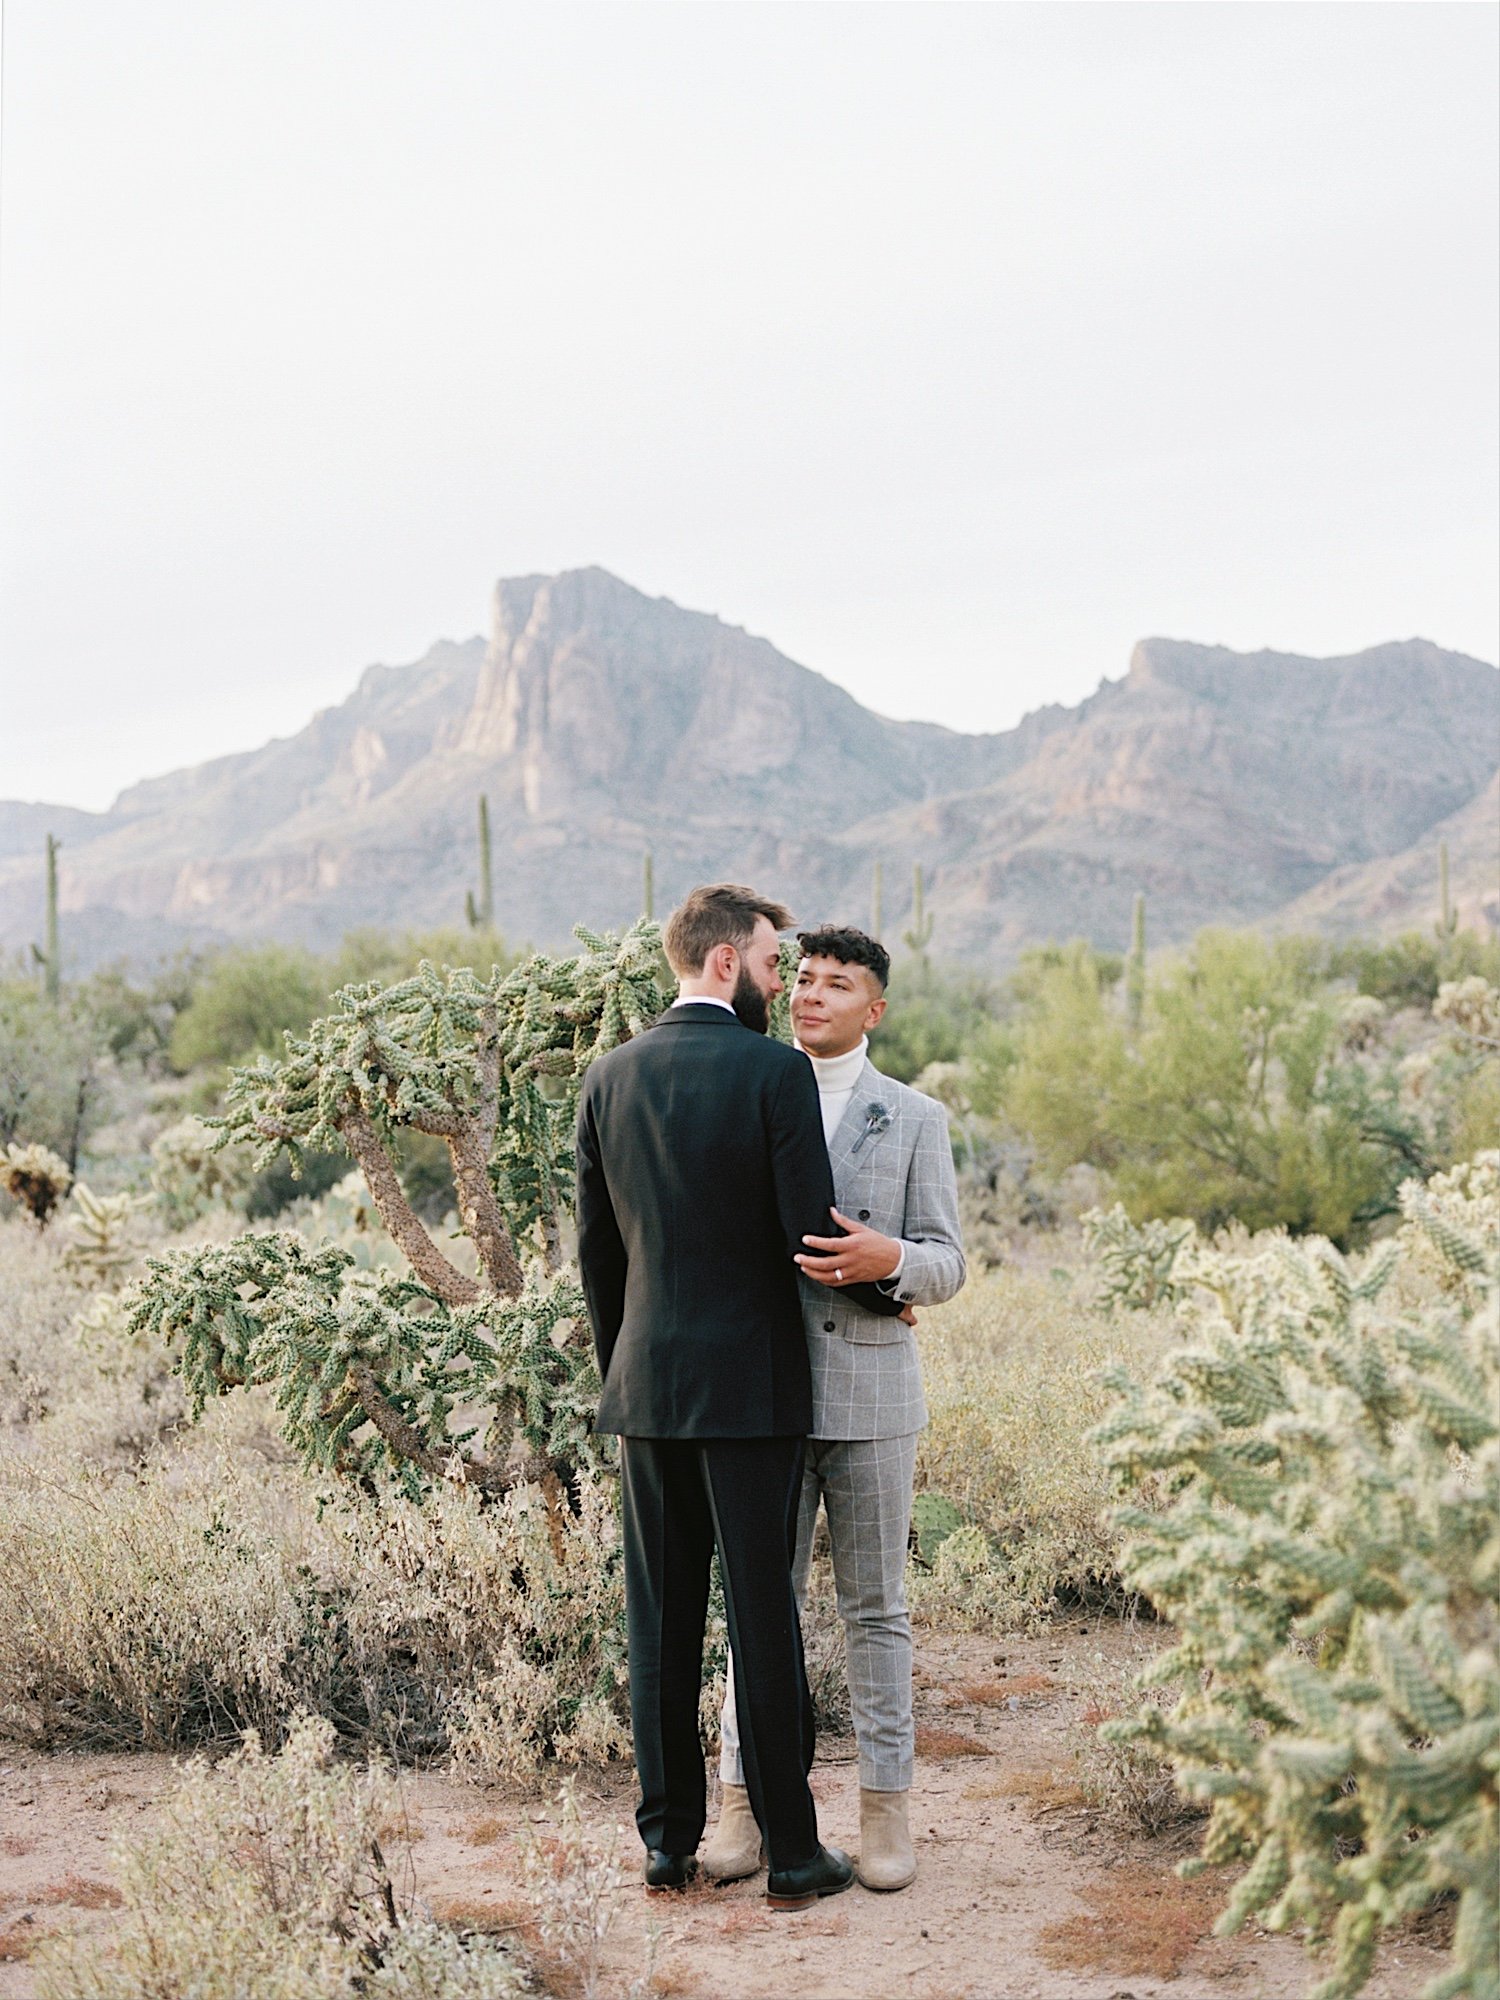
point(1024, 1893)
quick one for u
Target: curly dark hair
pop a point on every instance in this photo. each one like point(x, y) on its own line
point(849, 947)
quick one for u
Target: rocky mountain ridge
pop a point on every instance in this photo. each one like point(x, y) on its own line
point(600, 722)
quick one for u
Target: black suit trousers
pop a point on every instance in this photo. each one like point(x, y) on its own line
point(682, 1497)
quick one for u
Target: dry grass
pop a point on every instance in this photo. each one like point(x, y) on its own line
point(16, 1844)
point(80, 1892)
point(485, 1832)
point(1139, 1920)
point(20, 1939)
point(1011, 1370)
point(400, 1829)
point(485, 1913)
point(992, 1693)
point(1042, 1790)
point(670, 1981)
point(937, 1743)
point(745, 1918)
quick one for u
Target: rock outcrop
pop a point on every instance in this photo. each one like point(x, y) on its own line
point(601, 722)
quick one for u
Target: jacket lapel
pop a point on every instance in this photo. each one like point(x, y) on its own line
point(853, 1139)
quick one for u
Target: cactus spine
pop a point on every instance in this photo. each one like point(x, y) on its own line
point(481, 915)
point(50, 960)
point(919, 936)
point(1135, 964)
point(1448, 917)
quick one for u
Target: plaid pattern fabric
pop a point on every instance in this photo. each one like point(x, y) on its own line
point(865, 1486)
point(892, 1168)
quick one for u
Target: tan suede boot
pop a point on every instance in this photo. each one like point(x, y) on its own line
point(886, 1859)
point(734, 1851)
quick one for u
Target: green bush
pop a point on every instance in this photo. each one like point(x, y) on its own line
point(244, 1002)
point(1251, 1092)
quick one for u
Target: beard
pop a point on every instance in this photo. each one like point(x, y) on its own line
point(750, 1004)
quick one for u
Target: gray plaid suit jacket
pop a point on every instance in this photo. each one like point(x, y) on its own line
point(893, 1168)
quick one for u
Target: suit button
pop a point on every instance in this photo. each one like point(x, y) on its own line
point(830, 1326)
point(864, 1215)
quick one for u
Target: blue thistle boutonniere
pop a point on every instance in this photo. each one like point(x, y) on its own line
point(877, 1120)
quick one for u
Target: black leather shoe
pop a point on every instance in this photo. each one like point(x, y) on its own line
point(669, 1871)
point(797, 1888)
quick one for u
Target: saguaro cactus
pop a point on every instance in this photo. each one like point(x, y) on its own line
point(1135, 964)
point(481, 915)
point(50, 960)
point(648, 887)
point(1447, 923)
point(919, 936)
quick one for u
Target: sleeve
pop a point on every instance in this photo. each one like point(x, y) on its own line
point(602, 1260)
point(933, 1266)
point(804, 1179)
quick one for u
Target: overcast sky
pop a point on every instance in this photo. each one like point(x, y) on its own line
point(953, 348)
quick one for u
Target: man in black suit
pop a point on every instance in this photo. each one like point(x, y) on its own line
point(701, 1168)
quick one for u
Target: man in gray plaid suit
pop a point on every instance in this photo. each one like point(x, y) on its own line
point(896, 1196)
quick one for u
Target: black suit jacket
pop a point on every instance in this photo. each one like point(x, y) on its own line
point(701, 1166)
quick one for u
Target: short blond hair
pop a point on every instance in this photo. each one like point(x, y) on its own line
point(718, 913)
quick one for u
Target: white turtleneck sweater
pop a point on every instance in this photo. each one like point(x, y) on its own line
point(838, 1077)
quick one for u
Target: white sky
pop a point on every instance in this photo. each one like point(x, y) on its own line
point(953, 348)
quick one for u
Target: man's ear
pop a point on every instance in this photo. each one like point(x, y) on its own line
point(722, 961)
point(876, 1014)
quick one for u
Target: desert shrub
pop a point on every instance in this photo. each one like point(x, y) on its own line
point(1250, 1090)
point(56, 1072)
point(1011, 1367)
point(265, 1880)
point(1328, 1556)
point(936, 1014)
point(1406, 971)
point(199, 1599)
point(244, 1001)
point(1129, 1781)
point(152, 1613)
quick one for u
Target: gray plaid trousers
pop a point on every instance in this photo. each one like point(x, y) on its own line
point(865, 1485)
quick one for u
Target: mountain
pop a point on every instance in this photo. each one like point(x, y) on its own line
point(1399, 892)
point(600, 722)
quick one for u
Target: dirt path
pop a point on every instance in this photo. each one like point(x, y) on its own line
point(1022, 1895)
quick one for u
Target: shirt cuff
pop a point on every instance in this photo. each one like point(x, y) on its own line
point(893, 1279)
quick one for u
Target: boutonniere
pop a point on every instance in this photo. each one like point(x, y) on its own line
point(877, 1120)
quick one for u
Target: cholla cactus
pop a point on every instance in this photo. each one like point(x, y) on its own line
point(1329, 1556)
point(191, 1173)
point(1138, 1263)
point(1472, 1007)
point(485, 1377)
point(1457, 1214)
point(101, 1240)
point(1361, 1018)
point(37, 1178)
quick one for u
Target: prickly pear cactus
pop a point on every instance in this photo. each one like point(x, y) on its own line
point(933, 1518)
point(1329, 1552)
